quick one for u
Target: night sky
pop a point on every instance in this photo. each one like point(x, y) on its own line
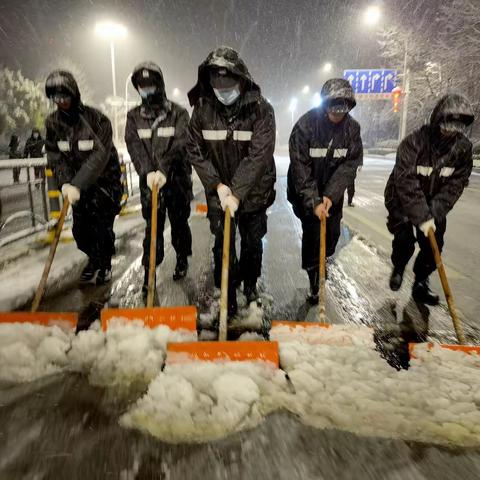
point(284, 43)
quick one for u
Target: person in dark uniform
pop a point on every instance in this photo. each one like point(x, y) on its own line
point(325, 153)
point(156, 134)
point(431, 170)
point(34, 149)
point(13, 153)
point(231, 143)
point(85, 164)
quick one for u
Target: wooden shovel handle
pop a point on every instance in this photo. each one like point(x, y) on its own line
point(222, 333)
point(323, 256)
point(153, 248)
point(457, 325)
point(48, 265)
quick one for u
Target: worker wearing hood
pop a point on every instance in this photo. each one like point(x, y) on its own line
point(155, 135)
point(231, 143)
point(85, 164)
point(431, 170)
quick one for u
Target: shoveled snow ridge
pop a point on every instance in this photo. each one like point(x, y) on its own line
point(339, 383)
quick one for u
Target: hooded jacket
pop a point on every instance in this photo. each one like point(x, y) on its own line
point(232, 145)
point(430, 170)
point(324, 158)
point(79, 144)
point(34, 146)
point(156, 135)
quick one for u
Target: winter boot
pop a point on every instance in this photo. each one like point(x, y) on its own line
point(89, 273)
point(181, 268)
point(421, 293)
point(313, 276)
point(250, 290)
point(396, 279)
point(104, 276)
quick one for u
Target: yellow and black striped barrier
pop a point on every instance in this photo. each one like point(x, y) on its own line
point(123, 169)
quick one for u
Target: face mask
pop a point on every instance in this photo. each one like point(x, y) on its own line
point(227, 96)
point(145, 92)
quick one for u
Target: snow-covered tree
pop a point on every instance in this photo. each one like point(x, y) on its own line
point(22, 103)
point(442, 40)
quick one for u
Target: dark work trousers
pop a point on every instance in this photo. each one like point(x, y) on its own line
point(177, 204)
point(311, 239)
point(403, 248)
point(93, 218)
point(351, 191)
point(252, 227)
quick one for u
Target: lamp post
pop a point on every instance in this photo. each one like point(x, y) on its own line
point(112, 31)
point(292, 107)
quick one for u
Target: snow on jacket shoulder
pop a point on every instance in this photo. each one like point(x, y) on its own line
point(324, 158)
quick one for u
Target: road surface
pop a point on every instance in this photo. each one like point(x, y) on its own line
point(63, 428)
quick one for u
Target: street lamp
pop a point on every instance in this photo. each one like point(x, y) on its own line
point(317, 100)
point(306, 90)
point(292, 107)
point(372, 15)
point(112, 31)
point(327, 68)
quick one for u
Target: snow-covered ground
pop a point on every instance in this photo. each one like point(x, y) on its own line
point(336, 384)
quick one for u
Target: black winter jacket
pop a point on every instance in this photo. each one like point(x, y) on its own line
point(324, 158)
point(156, 141)
point(233, 145)
point(79, 144)
point(33, 147)
point(429, 175)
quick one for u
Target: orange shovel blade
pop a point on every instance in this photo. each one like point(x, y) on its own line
point(292, 324)
point(221, 351)
point(468, 349)
point(47, 319)
point(176, 318)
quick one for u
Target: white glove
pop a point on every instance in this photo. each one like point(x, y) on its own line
point(426, 226)
point(156, 177)
point(232, 203)
point(71, 192)
point(223, 192)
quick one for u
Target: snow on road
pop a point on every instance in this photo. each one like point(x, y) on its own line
point(337, 384)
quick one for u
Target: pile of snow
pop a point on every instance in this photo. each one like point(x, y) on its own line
point(311, 333)
point(345, 387)
point(339, 381)
point(206, 401)
point(351, 388)
point(126, 353)
point(29, 352)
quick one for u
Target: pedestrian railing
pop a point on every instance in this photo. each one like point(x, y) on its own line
point(32, 203)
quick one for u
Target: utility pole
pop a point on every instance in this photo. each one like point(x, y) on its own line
point(406, 93)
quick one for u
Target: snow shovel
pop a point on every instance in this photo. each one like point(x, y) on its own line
point(457, 325)
point(321, 331)
point(321, 293)
point(68, 319)
point(176, 318)
point(222, 349)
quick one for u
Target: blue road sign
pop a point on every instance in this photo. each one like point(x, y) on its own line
point(371, 81)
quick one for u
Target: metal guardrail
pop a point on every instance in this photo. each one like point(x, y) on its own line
point(33, 204)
